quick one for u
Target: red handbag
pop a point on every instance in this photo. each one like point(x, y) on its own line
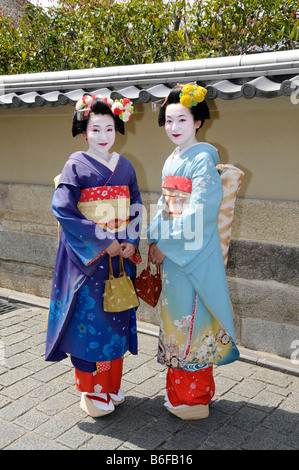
point(148, 286)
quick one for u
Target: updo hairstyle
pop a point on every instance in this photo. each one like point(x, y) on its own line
point(98, 106)
point(200, 112)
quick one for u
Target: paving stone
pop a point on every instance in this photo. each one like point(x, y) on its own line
point(4, 401)
point(17, 408)
point(74, 438)
point(9, 433)
point(51, 372)
point(38, 339)
point(254, 407)
point(274, 378)
point(228, 438)
point(16, 349)
point(107, 440)
point(266, 401)
point(18, 360)
point(37, 364)
point(56, 426)
point(132, 362)
point(248, 418)
point(68, 377)
point(151, 387)
point(213, 423)
point(236, 371)
point(282, 421)
point(32, 419)
point(293, 439)
point(230, 403)
point(186, 440)
point(139, 375)
point(148, 437)
point(169, 422)
point(154, 406)
point(14, 376)
point(16, 328)
point(47, 391)
point(15, 339)
point(34, 442)
point(223, 385)
point(249, 388)
point(20, 388)
point(57, 403)
point(263, 439)
point(132, 422)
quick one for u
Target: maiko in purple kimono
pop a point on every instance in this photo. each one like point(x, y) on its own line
point(80, 272)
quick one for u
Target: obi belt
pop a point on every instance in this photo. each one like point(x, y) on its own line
point(106, 206)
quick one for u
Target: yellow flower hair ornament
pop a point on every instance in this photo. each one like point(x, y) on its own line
point(192, 95)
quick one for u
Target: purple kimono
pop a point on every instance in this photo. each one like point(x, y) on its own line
point(77, 323)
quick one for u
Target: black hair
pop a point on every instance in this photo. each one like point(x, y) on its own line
point(98, 106)
point(200, 112)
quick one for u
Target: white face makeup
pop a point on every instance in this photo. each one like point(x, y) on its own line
point(100, 134)
point(180, 125)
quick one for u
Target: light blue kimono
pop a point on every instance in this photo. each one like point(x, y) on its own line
point(196, 316)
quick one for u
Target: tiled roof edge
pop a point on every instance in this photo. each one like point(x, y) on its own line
point(266, 75)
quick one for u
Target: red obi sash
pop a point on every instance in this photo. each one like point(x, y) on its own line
point(178, 182)
point(104, 192)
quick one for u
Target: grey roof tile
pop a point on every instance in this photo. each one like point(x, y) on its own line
point(263, 75)
point(228, 90)
point(289, 86)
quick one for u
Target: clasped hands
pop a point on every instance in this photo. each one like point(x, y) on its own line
point(121, 249)
point(128, 249)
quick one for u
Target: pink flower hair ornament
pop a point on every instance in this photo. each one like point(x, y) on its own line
point(122, 108)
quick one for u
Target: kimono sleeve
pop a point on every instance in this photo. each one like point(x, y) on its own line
point(195, 233)
point(86, 239)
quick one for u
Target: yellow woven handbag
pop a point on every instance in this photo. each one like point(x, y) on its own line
point(119, 294)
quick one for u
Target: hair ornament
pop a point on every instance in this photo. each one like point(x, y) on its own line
point(81, 106)
point(122, 108)
point(192, 95)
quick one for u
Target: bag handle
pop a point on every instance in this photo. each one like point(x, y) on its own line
point(111, 276)
point(121, 267)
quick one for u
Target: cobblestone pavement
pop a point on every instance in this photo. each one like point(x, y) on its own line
point(255, 407)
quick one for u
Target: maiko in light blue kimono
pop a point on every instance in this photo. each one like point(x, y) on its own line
point(196, 316)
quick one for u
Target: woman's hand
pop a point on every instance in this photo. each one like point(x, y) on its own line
point(114, 249)
point(127, 249)
point(156, 256)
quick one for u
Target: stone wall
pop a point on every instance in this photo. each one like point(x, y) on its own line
point(263, 273)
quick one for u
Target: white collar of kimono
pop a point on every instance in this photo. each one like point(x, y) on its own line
point(111, 163)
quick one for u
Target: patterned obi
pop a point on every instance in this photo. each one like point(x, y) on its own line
point(176, 192)
point(107, 206)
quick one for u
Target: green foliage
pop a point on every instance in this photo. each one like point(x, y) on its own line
point(89, 33)
point(243, 27)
